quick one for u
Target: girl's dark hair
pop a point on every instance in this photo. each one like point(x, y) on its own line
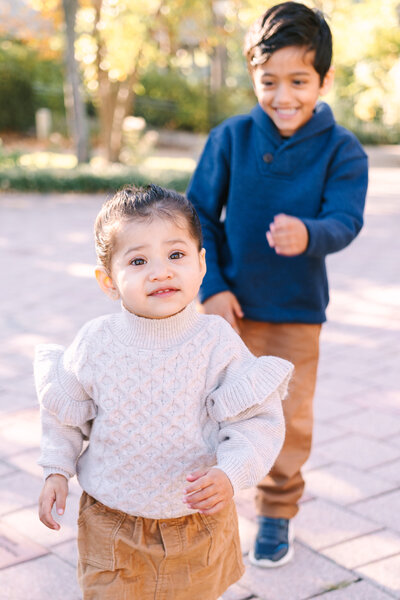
point(142, 203)
point(289, 24)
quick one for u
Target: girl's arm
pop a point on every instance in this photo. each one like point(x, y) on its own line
point(248, 446)
point(246, 402)
point(66, 412)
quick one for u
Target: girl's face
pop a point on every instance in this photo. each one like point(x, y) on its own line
point(156, 267)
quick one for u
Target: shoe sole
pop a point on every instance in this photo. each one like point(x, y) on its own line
point(265, 563)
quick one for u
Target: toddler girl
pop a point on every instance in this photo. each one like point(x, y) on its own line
point(178, 413)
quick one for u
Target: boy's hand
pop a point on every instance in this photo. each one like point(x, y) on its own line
point(55, 489)
point(225, 304)
point(209, 492)
point(288, 235)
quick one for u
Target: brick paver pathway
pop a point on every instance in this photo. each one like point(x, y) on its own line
point(348, 528)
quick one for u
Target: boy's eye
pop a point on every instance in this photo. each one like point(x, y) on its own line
point(299, 82)
point(176, 255)
point(268, 83)
point(138, 261)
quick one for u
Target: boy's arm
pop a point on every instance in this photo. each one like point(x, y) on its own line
point(341, 215)
point(208, 191)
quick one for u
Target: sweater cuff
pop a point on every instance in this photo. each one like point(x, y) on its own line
point(237, 472)
point(314, 243)
point(55, 471)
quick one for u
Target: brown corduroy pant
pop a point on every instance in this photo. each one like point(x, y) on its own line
point(123, 557)
point(279, 492)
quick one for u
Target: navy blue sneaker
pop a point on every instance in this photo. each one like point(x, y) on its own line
point(274, 543)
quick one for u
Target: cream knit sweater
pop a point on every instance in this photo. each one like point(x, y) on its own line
point(158, 399)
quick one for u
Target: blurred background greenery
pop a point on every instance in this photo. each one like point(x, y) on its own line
point(120, 80)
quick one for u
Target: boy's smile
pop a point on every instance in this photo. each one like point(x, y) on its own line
point(287, 87)
point(156, 267)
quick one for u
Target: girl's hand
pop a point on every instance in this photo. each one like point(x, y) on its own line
point(209, 492)
point(226, 305)
point(288, 235)
point(55, 489)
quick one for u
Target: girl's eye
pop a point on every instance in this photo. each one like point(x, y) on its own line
point(176, 255)
point(137, 261)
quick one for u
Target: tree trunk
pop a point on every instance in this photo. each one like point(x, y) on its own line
point(115, 103)
point(74, 104)
point(121, 108)
point(114, 98)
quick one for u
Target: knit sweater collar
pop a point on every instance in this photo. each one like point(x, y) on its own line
point(321, 120)
point(156, 333)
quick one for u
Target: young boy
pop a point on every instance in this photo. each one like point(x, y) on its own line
point(293, 184)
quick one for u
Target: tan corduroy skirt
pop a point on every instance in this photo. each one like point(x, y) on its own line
point(122, 557)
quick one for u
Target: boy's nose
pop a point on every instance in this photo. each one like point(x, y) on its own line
point(282, 94)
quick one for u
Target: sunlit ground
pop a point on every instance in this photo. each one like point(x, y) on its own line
point(151, 163)
point(47, 160)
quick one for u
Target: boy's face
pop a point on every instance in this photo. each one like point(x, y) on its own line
point(287, 87)
point(156, 267)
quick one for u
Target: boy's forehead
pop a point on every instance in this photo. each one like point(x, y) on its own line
point(291, 57)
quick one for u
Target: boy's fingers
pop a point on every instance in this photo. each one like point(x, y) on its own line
point(237, 308)
point(281, 220)
point(270, 239)
point(230, 317)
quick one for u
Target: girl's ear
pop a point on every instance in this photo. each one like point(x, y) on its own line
point(328, 82)
point(106, 283)
point(203, 265)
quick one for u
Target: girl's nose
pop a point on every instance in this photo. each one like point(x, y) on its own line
point(160, 271)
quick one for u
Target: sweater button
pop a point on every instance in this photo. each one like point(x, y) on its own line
point(268, 157)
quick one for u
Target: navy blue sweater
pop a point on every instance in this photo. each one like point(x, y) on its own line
point(246, 175)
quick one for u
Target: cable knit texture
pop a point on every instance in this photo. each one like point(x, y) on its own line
point(158, 399)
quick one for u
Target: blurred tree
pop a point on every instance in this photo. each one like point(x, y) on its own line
point(195, 47)
point(62, 13)
point(73, 99)
point(119, 40)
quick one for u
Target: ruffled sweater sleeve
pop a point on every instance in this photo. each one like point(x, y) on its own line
point(61, 379)
point(246, 401)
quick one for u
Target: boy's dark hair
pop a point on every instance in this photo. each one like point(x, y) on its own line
point(289, 24)
point(142, 203)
